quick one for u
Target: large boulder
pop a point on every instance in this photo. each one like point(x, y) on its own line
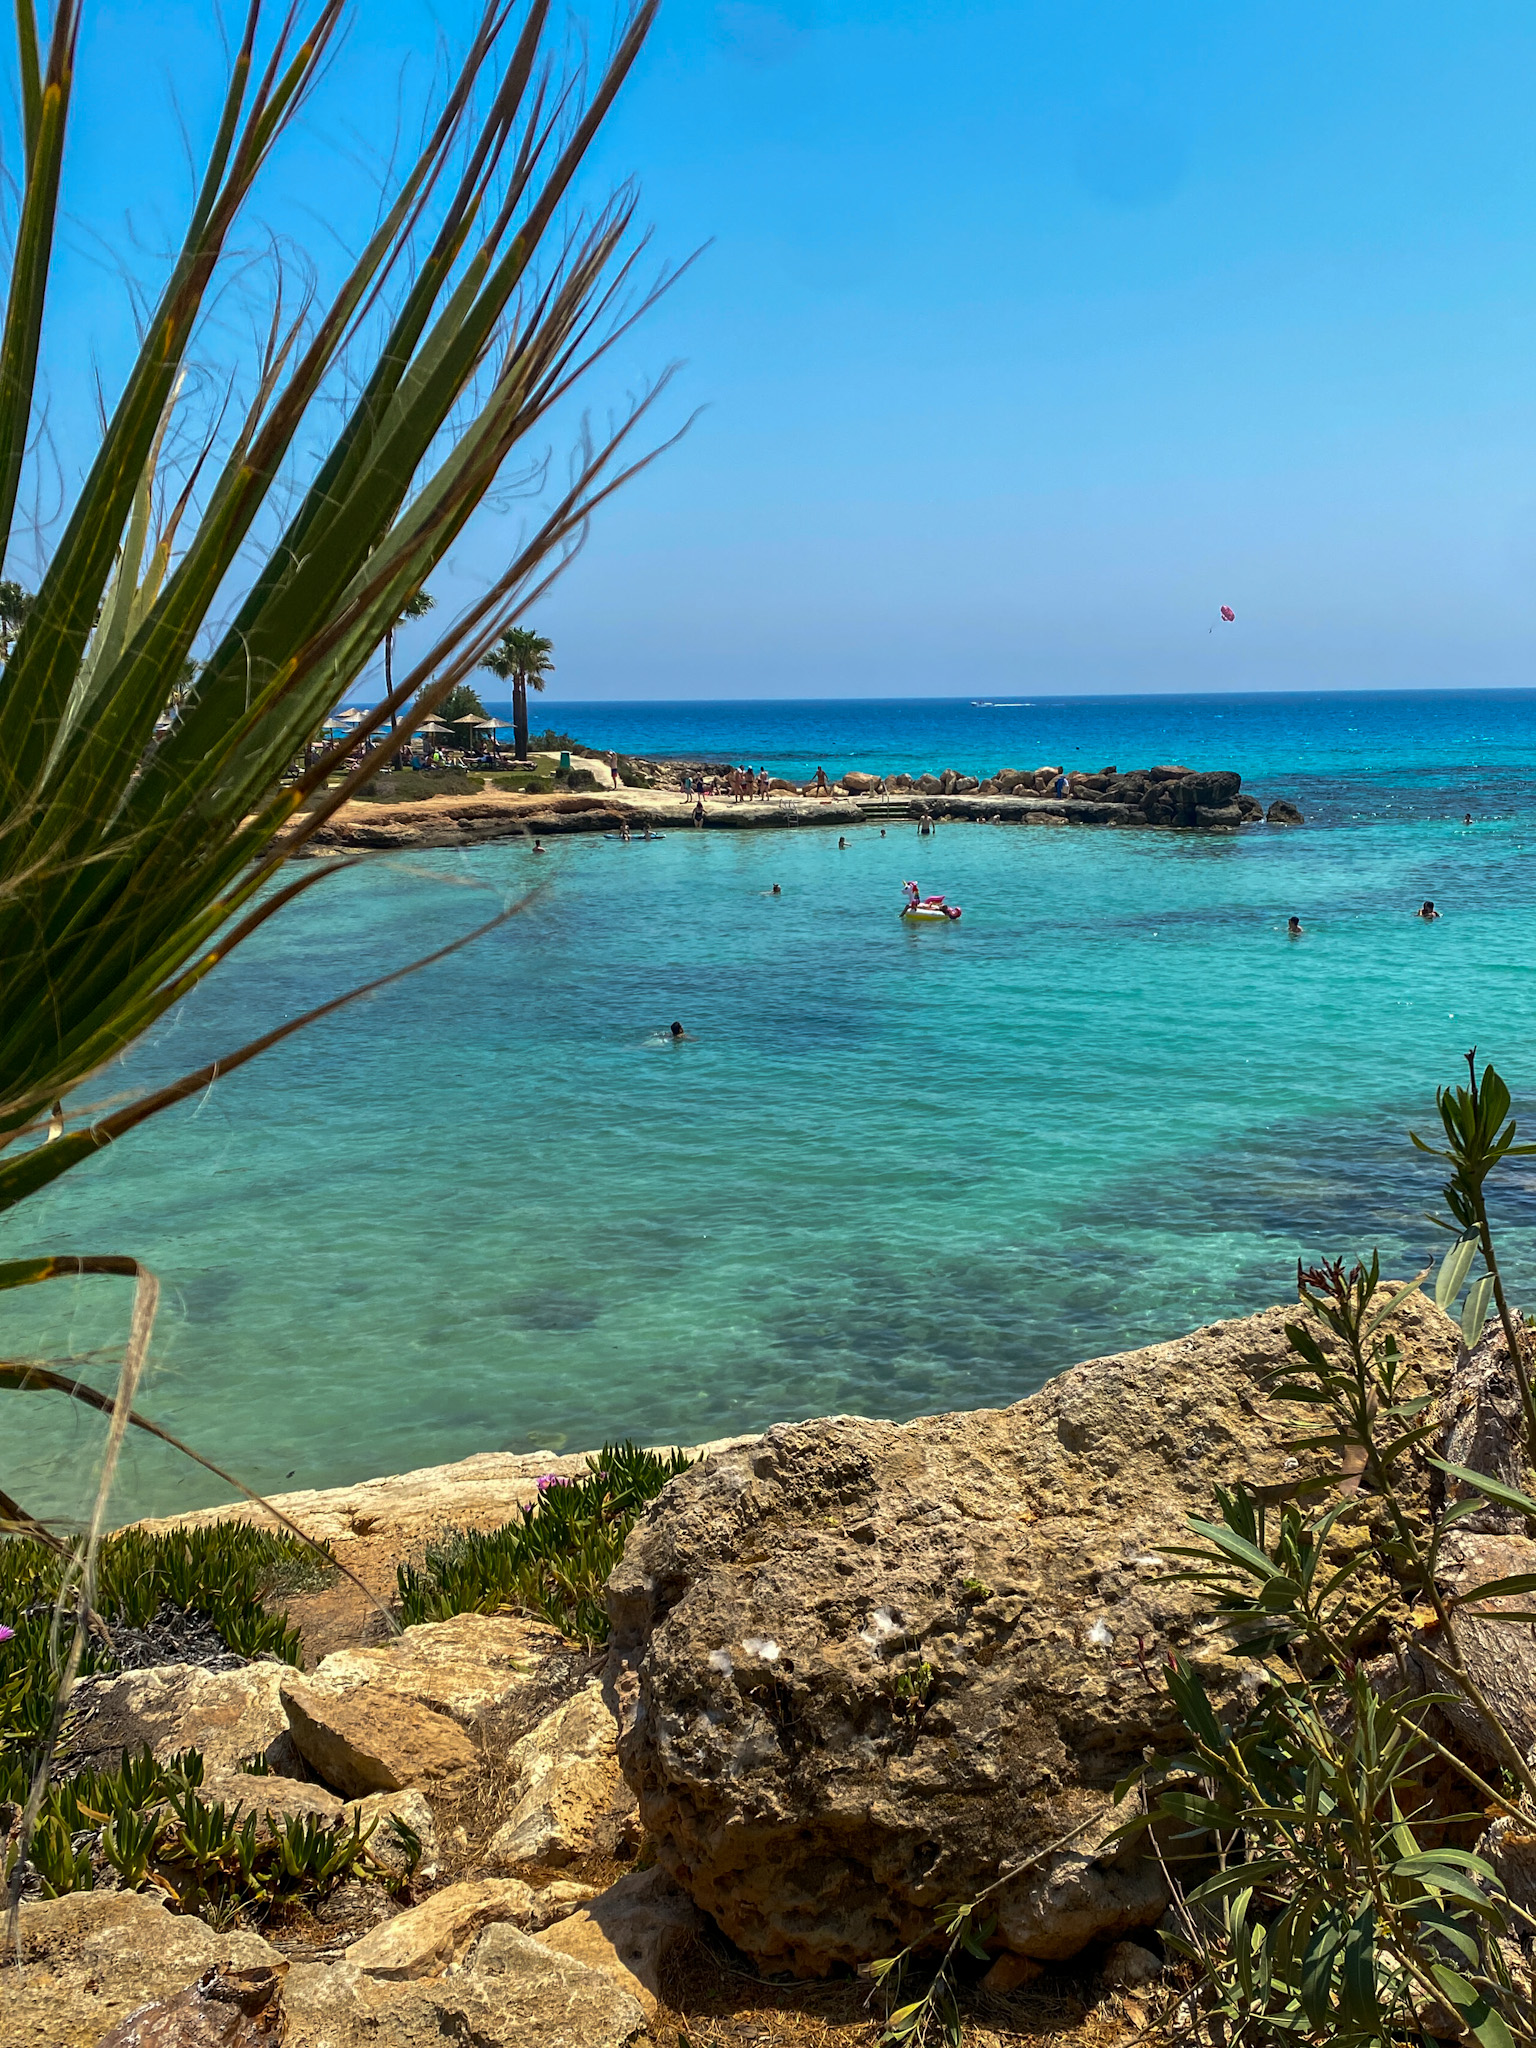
point(865, 1666)
point(1283, 812)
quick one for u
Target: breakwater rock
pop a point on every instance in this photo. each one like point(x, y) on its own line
point(864, 1666)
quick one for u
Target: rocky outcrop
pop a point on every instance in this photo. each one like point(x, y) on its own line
point(221, 2009)
point(230, 1716)
point(425, 1939)
point(1282, 812)
point(459, 1667)
point(628, 1932)
point(90, 1959)
point(569, 1794)
point(510, 1991)
point(865, 1666)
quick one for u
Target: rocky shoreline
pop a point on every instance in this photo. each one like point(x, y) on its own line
point(1168, 798)
point(855, 1668)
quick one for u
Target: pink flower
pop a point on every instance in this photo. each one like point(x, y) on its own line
point(552, 1479)
point(6, 1634)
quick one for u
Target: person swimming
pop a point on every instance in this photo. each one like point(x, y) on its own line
point(842, 844)
point(1293, 928)
point(1427, 911)
point(676, 1033)
point(776, 890)
point(539, 847)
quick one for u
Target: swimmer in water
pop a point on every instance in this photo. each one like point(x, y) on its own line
point(842, 844)
point(677, 1034)
point(1467, 819)
point(1427, 911)
point(776, 890)
point(1293, 928)
point(539, 847)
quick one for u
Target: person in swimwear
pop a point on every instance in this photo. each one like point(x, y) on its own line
point(1427, 911)
point(1293, 928)
point(776, 890)
point(677, 1034)
point(539, 846)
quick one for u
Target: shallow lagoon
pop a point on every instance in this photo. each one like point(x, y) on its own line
point(894, 1170)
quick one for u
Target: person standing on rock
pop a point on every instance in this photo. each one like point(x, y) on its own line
point(698, 811)
point(822, 787)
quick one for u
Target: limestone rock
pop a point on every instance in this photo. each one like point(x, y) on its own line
point(1500, 1655)
point(1281, 812)
point(477, 1492)
point(558, 1901)
point(282, 1798)
point(457, 1667)
point(1128, 1965)
point(92, 1958)
point(512, 1992)
point(865, 1664)
point(222, 2009)
point(425, 1939)
point(567, 1784)
point(366, 1739)
point(230, 1716)
point(1482, 1429)
point(1250, 807)
point(860, 785)
point(1510, 1846)
point(627, 1932)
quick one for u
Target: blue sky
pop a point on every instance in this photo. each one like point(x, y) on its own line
point(1026, 336)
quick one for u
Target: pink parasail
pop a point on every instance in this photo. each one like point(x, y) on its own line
point(1228, 614)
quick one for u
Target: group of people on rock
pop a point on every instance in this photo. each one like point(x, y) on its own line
point(742, 785)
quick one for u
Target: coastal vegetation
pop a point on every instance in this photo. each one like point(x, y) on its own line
point(553, 1559)
point(523, 658)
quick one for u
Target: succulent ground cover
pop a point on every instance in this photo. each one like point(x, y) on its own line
point(552, 1559)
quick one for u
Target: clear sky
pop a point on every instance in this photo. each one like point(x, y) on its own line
point(1027, 335)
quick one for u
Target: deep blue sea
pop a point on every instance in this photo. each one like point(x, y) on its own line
point(890, 1171)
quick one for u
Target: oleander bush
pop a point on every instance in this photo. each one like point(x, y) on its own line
point(554, 1558)
point(1331, 1846)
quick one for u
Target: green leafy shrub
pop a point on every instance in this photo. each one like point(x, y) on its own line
point(147, 1820)
point(554, 1558)
point(415, 785)
point(530, 785)
point(225, 1572)
point(1327, 1894)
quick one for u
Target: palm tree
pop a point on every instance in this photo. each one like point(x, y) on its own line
point(521, 657)
point(15, 603)
point(415, 607)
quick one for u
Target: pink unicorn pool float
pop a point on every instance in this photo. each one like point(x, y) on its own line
point(920, 909)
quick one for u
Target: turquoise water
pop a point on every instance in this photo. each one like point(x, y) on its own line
point(892, 1171)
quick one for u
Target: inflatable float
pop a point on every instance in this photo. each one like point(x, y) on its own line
point(920, 909)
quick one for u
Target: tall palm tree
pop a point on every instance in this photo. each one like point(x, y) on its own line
point(415, 607)
point(521, 657)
